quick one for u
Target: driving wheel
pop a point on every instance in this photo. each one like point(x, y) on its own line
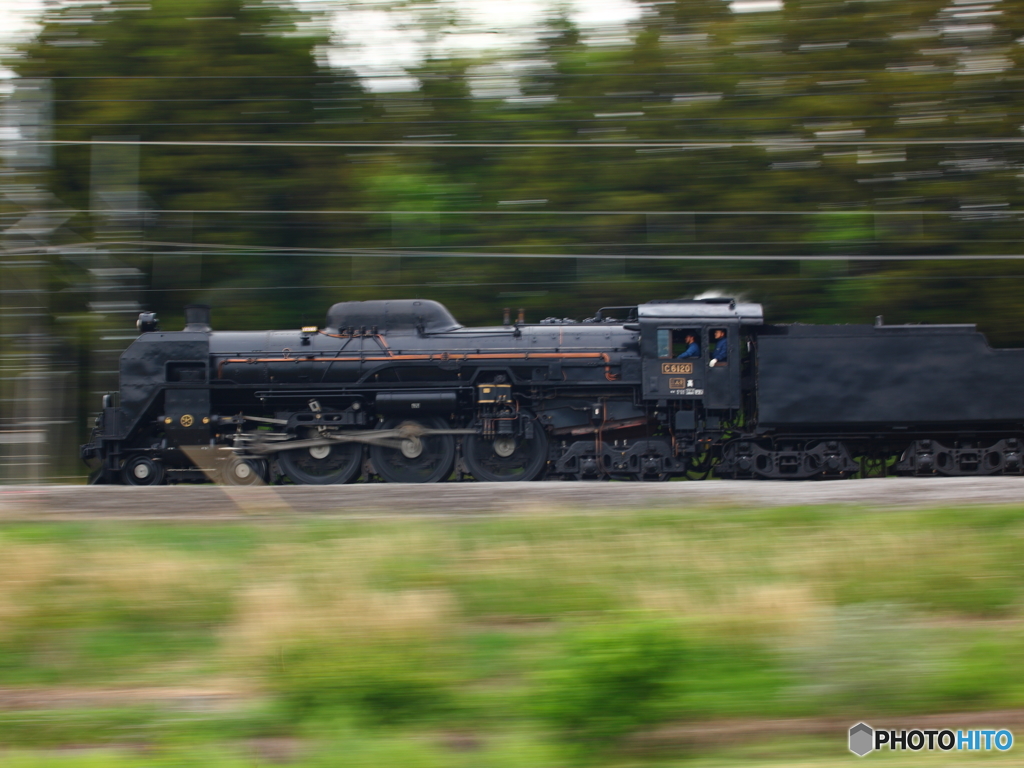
point(505, 458)
point(322, 464)
point(418, 459)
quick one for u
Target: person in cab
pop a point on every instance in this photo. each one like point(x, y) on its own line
point(721, 353)
point(692, 348)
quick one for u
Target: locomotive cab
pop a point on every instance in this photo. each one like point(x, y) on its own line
point(666, 327)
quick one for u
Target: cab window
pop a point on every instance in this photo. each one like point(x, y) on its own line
point(677, 341)
point(664, 342)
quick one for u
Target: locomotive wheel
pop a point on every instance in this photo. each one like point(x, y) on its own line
point(322, 464)
point(143, 470)
point(506, 458)
point(239, 471)
point(425, 459)
point(657, 477)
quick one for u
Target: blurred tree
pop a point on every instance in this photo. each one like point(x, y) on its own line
point(774, 87)
point(225, 71)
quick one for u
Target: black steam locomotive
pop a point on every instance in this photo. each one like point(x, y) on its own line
point(399, 391)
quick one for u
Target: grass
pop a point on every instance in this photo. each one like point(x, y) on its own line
point(541, 637)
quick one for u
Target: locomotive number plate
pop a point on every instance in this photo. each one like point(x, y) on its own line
point(679, 368)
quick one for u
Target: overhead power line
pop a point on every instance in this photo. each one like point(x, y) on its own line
point(660, 280)
point(979, 212)
point(497, 122)
point(546, 74)
point(727, 144)
point(511, 212)
point(477, 254)
point(421, 98)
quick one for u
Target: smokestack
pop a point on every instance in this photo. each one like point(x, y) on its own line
point(197, 318)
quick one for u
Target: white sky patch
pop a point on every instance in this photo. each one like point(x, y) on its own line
point(755, 6)
point(17, 22)
point(379, 45)
point(16, 18)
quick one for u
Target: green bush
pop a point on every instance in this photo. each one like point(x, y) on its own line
point(383, 684)
point(983, 670)
point(611, 680)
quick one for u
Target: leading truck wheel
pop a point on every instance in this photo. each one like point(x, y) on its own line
point(143, 470)
point(244, 471)
point(505, 458)
point(322, 464)
point(418, 459)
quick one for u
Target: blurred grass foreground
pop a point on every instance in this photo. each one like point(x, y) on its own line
point(549, 640)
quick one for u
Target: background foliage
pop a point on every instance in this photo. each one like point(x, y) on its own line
point(778, 84)
point(922, 229)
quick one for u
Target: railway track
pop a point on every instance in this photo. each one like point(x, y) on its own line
point(209, 502)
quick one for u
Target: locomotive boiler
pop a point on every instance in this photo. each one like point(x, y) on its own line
point(399, 391)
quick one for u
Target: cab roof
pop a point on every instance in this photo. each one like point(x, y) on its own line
point(702, 309)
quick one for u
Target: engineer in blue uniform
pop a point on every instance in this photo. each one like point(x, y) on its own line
point(721, 354)
point(693, 350)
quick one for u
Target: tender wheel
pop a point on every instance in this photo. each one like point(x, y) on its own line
point(143, 470)
point(657, 477)
point(506, 458)
point(420, 459)
point(322, 464)
point(239, 471)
